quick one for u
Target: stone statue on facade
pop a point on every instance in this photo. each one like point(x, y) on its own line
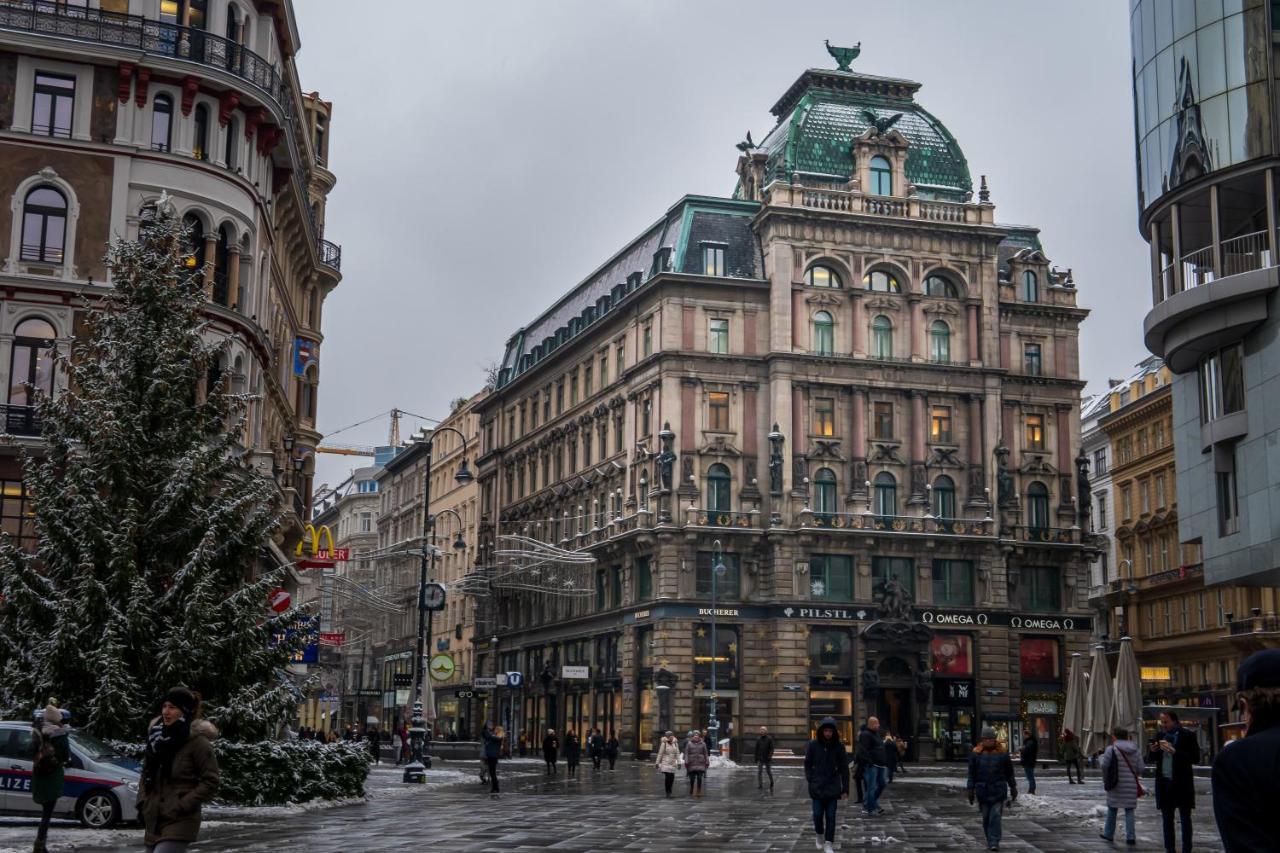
point(666, 457)
point(1004, 479)
point(870, 682)
point(894, 602)
point(775, 461)
point(924, 686)
point(1085, 496)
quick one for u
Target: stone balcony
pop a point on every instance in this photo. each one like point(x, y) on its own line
point(853, 201)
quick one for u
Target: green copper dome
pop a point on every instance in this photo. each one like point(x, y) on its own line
point(824, 111)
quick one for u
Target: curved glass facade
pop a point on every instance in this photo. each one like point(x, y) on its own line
point(1200, 90)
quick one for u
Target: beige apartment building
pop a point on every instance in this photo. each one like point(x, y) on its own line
point(849, 387)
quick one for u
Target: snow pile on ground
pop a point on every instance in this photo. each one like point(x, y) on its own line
point(720, 762)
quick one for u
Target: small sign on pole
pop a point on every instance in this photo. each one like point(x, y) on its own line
point(279, 600)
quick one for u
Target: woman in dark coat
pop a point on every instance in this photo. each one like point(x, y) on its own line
point(550, 747)
point(611, 749)
point(572, 753)
point(52, 752)
point(179, 773)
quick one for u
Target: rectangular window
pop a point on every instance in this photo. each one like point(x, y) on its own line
point(1144, 494)
point(1101, 500)
point(718, 411)
point(604, 371)
point(1031, 363)
point(1151, 620)
point(952, 582)
point(16, 514)
point(647, 338)
point(1149, 557)
point(644, 579)
point(1166, 608)
point(560, 396)
point(1126, 503)
point(713, 260)
point(52, 105)
point(1157, 435)
point(615, 587)
point(1042, 588)
point(1160, 491)
point(831, 577)
point(1100, 462)
point(718, 336)
point(900, 569)
point(588, 381)
point(824, 416)
point(646, 409)
point(727, 584)
point(1185, 607)
point(1035, 432)
point(883, 420)
point(1228, 509)
point(620, 359)
point(601, 589)
point(1040, 659)
point(1222, 383)
point(1200, 611)
point(573, 388)
point(940, 425)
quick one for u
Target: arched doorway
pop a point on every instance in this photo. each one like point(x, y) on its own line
point(896, 702)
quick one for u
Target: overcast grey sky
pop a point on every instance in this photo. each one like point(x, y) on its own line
point(491, 154)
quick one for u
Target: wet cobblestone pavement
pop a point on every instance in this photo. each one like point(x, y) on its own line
point(625, 811)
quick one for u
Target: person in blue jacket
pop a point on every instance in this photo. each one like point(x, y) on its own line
point(492, 749)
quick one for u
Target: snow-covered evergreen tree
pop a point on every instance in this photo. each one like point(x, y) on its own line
point(149, 522)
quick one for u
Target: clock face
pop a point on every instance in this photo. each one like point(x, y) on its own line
point(433, 597)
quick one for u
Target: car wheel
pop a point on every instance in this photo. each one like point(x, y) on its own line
point(98, 809)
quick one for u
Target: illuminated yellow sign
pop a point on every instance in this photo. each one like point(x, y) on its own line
point(315, 534)
point(1156, 673)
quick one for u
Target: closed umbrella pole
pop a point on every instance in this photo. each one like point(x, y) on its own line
point(1074, 712)
point(1127, 711)
point(1098, 704)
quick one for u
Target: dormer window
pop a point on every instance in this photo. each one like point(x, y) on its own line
point(881, 176)
point(1030, 287)
point(713, 260)
point(820, 276)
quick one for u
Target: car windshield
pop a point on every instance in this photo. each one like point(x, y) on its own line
point(90, 745)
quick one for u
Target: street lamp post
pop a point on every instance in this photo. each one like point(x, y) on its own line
point(415, 771)
point(717, 569)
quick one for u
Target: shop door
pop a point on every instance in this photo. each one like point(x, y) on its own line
point(894, 711)
point(953, 733)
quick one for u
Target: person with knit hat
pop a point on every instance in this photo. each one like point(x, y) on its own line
point(991, 782)
point(52, 752)
point(1245, 772)
point(179, 773)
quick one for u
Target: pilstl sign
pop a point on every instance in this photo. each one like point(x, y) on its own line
point(316, 557)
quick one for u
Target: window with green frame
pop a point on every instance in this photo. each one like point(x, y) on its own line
point(727, 585)
point(615, 593)
point(601, 589)
point(901, 569)
point(831, 577)
point(952, 582)
point(644, 579)
point(1041, 588)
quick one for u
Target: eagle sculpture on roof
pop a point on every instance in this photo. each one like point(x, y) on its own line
point(843, 55)
point(881, 125)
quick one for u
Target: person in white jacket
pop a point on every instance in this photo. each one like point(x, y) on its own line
point(668, 760)
point(1124, 754)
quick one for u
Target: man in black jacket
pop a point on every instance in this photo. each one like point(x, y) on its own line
point(871, 753)
point(1027, 758)
point(991, 782)
point(764, 758)
point(826, 768)
point(1245, 774)
point(1174, 754)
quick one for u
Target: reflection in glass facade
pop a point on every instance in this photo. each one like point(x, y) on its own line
point(1200, 96)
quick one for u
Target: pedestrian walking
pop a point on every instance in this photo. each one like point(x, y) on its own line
point(1174, 753)
point(1069, 753)
point(859, 767)
point(572, 754)
point(492, 736)
point(51, 754)
point(668, 760)
point(1027, 757)
point(374, 741)
point(890, 757)
point(871, 752)
point(596, 742)
point(179, 773)
point(902, 755)
point(1122, 768)
point(991, 782)
point(346, 734)
point(764, 758)
point(696, 762)
point(611, 749)
point(524, 744)
point(826, 769)
point(406, 745)
point(550, 749)
point(1245, 773)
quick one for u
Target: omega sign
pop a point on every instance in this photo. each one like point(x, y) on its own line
point(1018, 623)
point(931, 618)
point(1043, 624)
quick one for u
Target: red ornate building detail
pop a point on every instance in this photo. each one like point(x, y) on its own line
point(140, 90)
point(227, 102)
point(190, 85)
point(126, 81)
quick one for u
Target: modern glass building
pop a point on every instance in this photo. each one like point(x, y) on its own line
point(1204, 93)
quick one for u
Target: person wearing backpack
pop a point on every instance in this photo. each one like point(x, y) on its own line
point(1121, 777)
point(52, 752)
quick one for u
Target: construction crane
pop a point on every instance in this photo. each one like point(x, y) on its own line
point(393, 438)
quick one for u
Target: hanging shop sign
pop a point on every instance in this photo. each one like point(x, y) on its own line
point(441, 667)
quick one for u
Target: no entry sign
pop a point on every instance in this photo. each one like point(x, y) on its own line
point(280, 599)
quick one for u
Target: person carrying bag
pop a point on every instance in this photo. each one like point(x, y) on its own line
point(1123, 786)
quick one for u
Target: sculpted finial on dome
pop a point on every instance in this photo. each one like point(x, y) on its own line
point(843, 55)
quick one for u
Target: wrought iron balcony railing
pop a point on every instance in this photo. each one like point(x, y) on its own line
point(63, 20)
point(723, 518)
point(330, 254)
point(897, 523)
point(1254, 625)
point(21, 420)
point(1049, 535)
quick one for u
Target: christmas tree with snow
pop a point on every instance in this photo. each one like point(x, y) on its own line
point(149, 520)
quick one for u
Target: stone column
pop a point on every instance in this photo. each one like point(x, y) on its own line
point(859, 324)
point(799, 444)
point(233, 281)
point(750, 447)
point(977, 455)
point(858, 445)
point(1065, 462)
point(918, 426)
point(917, 327)
point(210, 252)
point(975, 344)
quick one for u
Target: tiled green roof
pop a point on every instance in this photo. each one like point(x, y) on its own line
point(823, 113)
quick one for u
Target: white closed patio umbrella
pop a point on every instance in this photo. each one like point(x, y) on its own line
point(1074, 713)
point(1097, 715)
point(1126, 711)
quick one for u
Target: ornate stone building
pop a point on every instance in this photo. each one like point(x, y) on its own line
point(104, 105)
point(848, 388)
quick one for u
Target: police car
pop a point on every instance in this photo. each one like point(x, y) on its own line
point(100, 786)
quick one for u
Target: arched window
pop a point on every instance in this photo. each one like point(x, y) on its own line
point(44, 226)
point(194, 231)
point(201, 148)
point(221, 266)
point(886, 494)
point(882, 281)
point(820, 276)
point(32, 361)
point(718, 479)
point(936, 285)
point(881, 176)
point(1030, 287)
point(824, 491)
point(944, 497)
point(233, 23)
point(823, 333)
point(1037, 506)
point(161, 123)
point(229, 154)
point(940, 342)
point(881, 337)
